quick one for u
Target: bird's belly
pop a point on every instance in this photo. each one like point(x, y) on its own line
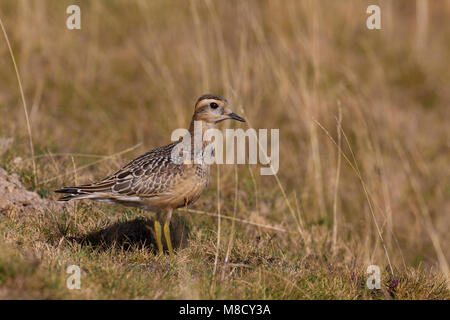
point(190, 192)
point(183, 192)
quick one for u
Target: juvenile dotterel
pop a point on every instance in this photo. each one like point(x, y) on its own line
point(153, 181)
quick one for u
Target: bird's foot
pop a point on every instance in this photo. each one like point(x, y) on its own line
point(157, 232)
point(168, 240)
point(157, 235)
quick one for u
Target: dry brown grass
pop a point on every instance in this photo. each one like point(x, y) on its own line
point(373, 188)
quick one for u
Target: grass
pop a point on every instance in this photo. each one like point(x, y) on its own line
point(364, 153)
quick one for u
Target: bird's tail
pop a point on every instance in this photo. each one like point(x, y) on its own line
point(89, 191)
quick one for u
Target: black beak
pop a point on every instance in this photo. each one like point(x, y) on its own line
point(234, 116)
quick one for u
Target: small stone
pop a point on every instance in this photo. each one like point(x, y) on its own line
point(14, 195)
point(5, 204)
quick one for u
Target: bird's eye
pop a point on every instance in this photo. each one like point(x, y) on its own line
point(214, 105)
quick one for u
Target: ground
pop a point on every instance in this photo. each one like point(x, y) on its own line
point(363, 119)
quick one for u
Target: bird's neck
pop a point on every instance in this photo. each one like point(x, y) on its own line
point(196, 123)
point(199, 127)
point(197, 130)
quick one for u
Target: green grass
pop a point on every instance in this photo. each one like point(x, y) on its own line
point(260, 265)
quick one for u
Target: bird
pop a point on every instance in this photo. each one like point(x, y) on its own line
point(157, 181)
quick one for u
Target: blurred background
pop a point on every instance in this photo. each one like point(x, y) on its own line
point(133, 72)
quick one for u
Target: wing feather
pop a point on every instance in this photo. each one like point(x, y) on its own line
point(146, 176)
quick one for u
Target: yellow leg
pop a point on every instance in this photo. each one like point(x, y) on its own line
point(168, 240)
point(158, 237)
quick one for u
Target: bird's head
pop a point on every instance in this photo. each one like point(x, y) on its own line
point(212, 109)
